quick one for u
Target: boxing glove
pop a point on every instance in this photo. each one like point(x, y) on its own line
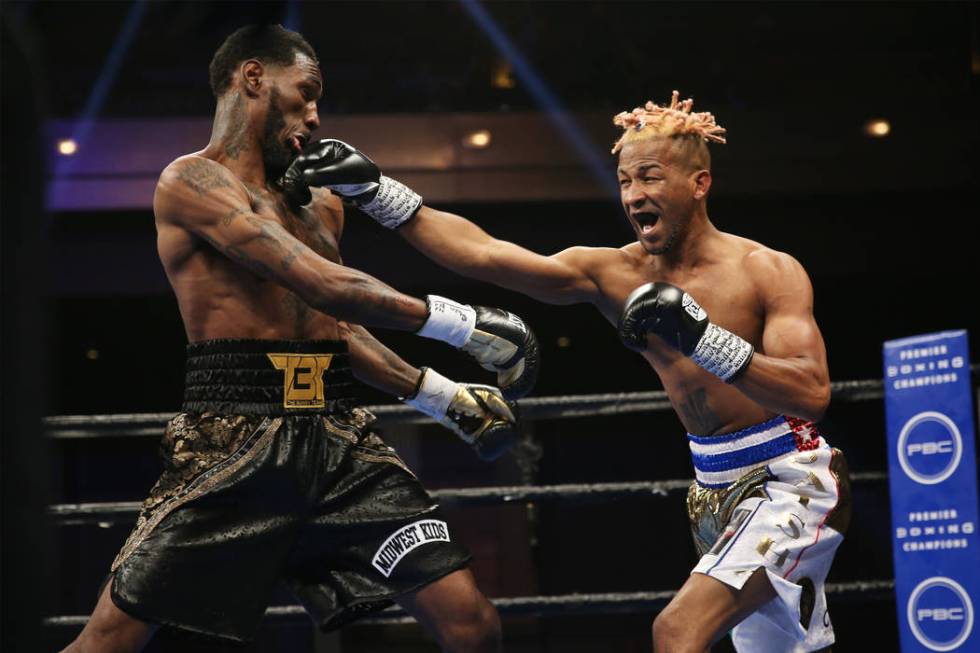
point(673, 315)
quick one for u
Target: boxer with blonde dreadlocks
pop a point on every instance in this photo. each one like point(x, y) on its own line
point(770, 502)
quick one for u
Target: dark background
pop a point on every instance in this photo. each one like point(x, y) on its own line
point(897, 259)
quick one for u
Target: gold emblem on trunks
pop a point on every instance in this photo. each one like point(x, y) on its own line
point(303, 378)
point(711, 510)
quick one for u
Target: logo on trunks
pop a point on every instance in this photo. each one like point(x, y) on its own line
point(405, 540)
point(303, 380)
point(806, 436)
point(929, 447)
point(940, 613)
point(731, 529)
point(693, 308)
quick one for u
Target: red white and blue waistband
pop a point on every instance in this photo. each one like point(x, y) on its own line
point(720, 460)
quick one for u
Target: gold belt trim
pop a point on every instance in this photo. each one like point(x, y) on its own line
point(200, 485)
point(710, 509)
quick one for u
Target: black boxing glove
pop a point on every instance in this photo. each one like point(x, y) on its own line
point(294, 188)
point(476, 413)
point(499, 341)
point(673, 315)
point(351, 174)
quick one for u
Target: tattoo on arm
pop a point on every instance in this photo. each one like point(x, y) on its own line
point(697, 413)
point(277, 237)
point(230, 217)
point(369, 292)
point(236, 254)
point(202, 177)
point(380, 366)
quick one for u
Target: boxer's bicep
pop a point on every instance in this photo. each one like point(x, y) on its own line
point(569, 275)
point(790, 331)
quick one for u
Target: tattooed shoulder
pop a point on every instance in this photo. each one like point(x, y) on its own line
point(202, 176)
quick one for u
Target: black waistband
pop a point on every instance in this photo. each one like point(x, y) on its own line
point(268, 377)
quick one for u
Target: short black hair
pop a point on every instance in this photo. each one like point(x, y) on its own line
point(267, 43)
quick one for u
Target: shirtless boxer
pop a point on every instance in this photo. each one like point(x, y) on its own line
point(770, 502)
point(271, 473)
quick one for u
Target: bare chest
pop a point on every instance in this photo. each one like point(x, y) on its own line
point(724, 291)
point(319, 234)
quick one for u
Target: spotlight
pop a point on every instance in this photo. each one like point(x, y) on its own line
point(67, 147)
point(477, 140)
point(877, 128)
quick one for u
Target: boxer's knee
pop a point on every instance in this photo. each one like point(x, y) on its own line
point(474, 628)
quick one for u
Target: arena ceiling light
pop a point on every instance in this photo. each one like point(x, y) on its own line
point(478, 140)
point(877, 128)
point(67, 146)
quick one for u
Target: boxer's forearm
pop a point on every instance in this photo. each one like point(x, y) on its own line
point(789, 386)
point(452, 242)
point(354, 296)
point(376, 365)
point(463, 247)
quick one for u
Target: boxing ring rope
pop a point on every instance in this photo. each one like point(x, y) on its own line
point(104, 514)
point(110, 512)
point(564, 605)
point(67, 427)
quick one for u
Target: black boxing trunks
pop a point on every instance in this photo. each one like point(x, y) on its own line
point(272, 475)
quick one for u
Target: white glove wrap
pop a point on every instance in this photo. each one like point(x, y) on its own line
point(393, 204)
point(721, 352)
point(448, 321)
point(435, 394)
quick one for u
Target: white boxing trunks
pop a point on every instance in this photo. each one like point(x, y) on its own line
point(774, 496)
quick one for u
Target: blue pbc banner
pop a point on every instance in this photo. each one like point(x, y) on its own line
point(933, 481)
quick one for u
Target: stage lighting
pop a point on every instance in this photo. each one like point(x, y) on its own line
point(67, 147)
point(477, 140)
point(878, 128)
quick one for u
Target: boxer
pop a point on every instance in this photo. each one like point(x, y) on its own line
point(770, 502)
point(271, 472)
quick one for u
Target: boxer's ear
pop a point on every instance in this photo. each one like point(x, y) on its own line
point(701, 183)
point(251, 72)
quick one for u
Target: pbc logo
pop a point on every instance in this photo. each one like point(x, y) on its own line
point(406, 539)
point(940, 613)
point(303, 378)
point(929, 447)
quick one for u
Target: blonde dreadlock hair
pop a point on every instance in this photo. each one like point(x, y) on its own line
point(675, 120)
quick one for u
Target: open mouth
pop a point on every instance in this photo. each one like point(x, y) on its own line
point(297, 142)
point(646, 221)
